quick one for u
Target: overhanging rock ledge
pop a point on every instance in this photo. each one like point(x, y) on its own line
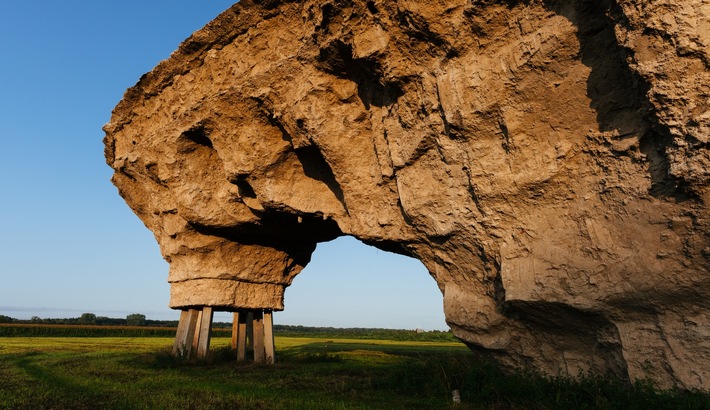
point(547, 161)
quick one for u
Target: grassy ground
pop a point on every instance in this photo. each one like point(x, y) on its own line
point(311, 373)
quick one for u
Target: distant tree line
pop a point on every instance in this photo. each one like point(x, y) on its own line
point(137, 319)
point(134, 319)
point(365, 333)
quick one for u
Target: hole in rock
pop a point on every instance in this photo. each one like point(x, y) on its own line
point(371, 7)
point(337, 58)
point(350, 284)
point(199, 136)
point(245, 190)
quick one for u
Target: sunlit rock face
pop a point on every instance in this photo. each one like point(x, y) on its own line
point(547, 161)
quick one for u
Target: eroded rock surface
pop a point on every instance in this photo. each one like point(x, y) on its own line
point(547, 161)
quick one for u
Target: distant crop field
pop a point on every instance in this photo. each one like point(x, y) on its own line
point(76, 330)
point(54, 372)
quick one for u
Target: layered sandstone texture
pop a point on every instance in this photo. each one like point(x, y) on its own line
point(548, 161)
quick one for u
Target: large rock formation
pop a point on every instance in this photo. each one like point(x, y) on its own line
point(547, 160)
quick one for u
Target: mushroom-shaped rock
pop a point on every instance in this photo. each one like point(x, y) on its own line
point(547, 161)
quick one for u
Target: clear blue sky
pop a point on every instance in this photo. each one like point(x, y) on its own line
point(68, 242)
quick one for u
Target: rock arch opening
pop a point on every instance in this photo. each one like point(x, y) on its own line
point(351, 284)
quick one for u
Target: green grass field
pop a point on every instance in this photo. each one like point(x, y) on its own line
point(310, 373)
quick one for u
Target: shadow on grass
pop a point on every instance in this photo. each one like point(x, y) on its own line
point(429, 374)
point(54, 385)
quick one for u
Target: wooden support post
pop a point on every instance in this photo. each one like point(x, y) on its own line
point(269, 337)
point(203, 346)
point(250, 331)
point(185, 333)
point(196, 338)
point(242, 336)
point(235, 329)
point(191, 329)
point(180, 334)
point(259, 337)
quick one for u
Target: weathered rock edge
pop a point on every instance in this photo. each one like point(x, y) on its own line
point(547, 161)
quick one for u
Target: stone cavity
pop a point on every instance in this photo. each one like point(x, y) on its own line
point(547, 160)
